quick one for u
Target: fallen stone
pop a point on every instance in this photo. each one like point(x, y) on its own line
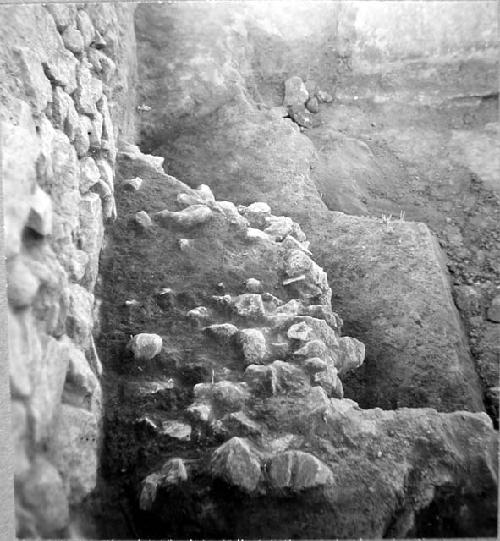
point(278, 227)
point(142, 220)
point(249, 305)
point(352, 354)
point(256, 214)
point(176, 430)
point(200, 313)
point(297, 471)
point(235, 463)
point(145, 346)
point(303, 119)
point(222, 332)
point(253, 285)
point(324, 97)
point(225, 394)
point(172, 472)
point(295, 92)
point(238, 424)
point(132, 184)
point(231, 213)
point(192, 216)
point(312, 105)
point(253, 345)
point(253, 234)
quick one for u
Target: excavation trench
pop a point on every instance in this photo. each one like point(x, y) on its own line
point(389, 150)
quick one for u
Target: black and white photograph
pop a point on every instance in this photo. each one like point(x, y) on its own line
point(251, 278)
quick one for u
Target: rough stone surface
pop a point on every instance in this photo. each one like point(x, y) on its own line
point(145, 346)
point(237, 465)
point(53, 238)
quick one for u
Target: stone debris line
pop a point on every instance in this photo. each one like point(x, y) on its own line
point(59, 154)
point(303, 329)
point(301, 101)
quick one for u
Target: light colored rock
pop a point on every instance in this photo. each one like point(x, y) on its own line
point(262, 379)
point(44, 496)
point(79, 320)
point(278, 227)
point(298, 471)
point(324, 97)
point(142, 220)
point(145, 346)
point(222, 332)
point(235, 463)
point(102, 64)
point(200, 412)
point(295, 92)
point(312, 105)
point(81, 382)
point(352, 354)
point(63, 14)
point(73, 39)
point(61, 70)
point(176, 430)
point(494, 310)
point(199, 313)
point(231, 213)
point(256, 213)
point(315, 364)
point(300, 331)
point(132, 184)
point(108, 136)
point(89, 90)
point(107, 173)
point(48, 382)
point(192, 216)
point(253, 285)
point(19, 155)
point(226, 394)
point(297, 262)
point(85, 27)
point(89, 174)
point(73, 450)
point(95, 137)
point(82, 132)
point(20, 437)
point(289, 377)
point(36, 85)
point(249, 305)
point(254, 234)
point(63, 185)
point(91, 234)
point(40, 217)
point(254, 346)
point(22, 283)
point(172, 472)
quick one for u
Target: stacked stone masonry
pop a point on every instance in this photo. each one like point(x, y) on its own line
point(59, 152)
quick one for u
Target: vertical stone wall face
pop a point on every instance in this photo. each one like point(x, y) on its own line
point(63, 102)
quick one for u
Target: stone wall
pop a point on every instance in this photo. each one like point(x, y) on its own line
point(66, 94)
